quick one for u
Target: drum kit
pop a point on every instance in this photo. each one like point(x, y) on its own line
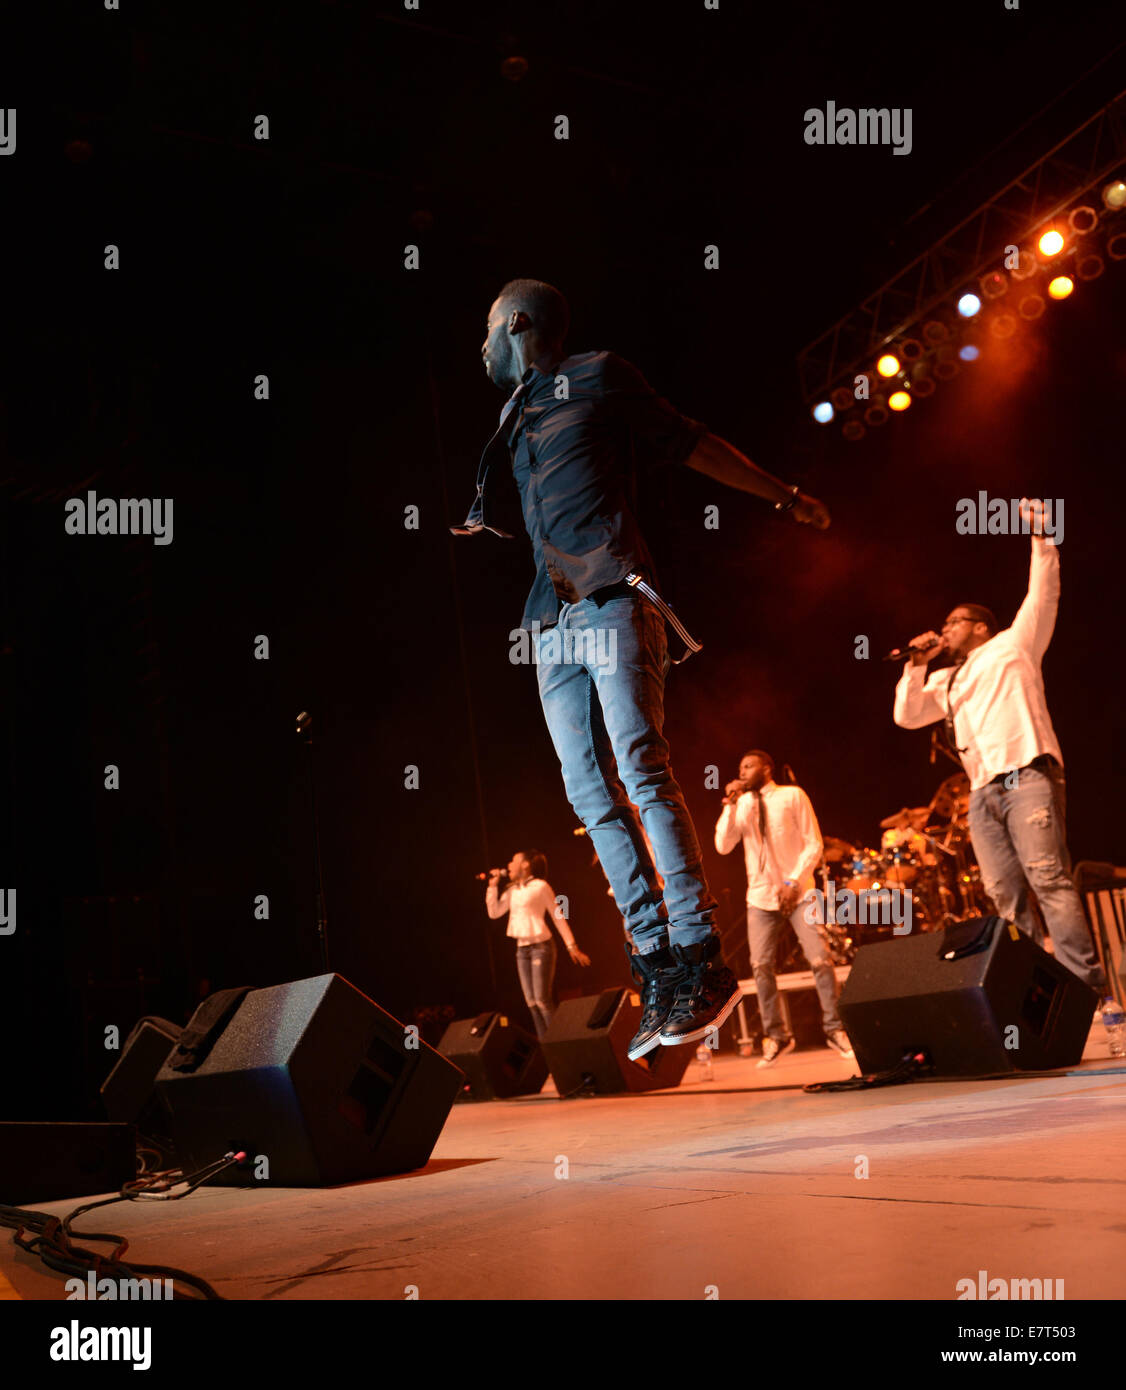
point(925, 859)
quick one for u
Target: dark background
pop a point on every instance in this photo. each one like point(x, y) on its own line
point(285, 257)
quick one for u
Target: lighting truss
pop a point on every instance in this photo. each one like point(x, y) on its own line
point(1081, 161)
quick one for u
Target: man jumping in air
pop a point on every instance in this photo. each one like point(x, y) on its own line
point(576, 434)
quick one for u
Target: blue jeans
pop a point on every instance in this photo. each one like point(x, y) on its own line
point(603, 700)
point(1020, 839)
point(535, 964)
point(764, 927)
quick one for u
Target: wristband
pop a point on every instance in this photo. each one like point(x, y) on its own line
point(788, 505)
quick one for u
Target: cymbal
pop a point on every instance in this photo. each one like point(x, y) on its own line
point(953, 797)
point(838, 849)
point(910, 818)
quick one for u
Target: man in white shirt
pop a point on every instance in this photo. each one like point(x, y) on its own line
point(782, 845)
point(992, 699)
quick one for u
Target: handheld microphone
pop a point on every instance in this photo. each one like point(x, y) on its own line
point(730, 800)
point(901, 653)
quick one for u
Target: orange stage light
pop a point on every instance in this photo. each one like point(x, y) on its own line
point(888, 365)
point(1051, 243)
point(1061, 286)
point(899, 400)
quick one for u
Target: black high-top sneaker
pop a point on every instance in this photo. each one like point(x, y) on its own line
point(706, 995)
point(657, 974)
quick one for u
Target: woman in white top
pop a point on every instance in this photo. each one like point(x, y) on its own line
point(526, 899)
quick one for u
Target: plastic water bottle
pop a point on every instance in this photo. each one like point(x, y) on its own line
point(1114, 1021)
point(704, 1059)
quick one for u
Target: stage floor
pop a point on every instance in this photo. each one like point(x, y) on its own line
point(744, 1184)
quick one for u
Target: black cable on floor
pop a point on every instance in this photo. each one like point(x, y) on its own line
point(53, 1243)
point(911, 1067)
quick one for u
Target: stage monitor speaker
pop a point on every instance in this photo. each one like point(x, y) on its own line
point(315, 1081)
point(46, 1162)
point(498, 1058)
point(128, 1092)
point(586, 1041)
point(1001, 1004)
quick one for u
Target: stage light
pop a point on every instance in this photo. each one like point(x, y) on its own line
point(842, 398)
point(934, 331)
point(899, 400)
point(910, 350)
point(1116, 247)
point(923, 387)
point(514, 68)
point(876, 414)
point(945, 365)
point(1026, 265)
point(1114, 195)
point(1051, 243)
point(993, 285)
point(968, 305)
point(969, 352)
point(1060, 286)
point(1003, 326)
point(823, 412)
point(852, 429)
point(1089, 267)
point(1082, 220)
point(888, 365)
point(1031, 307)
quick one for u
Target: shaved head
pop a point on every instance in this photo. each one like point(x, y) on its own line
point(527, 323)
point(547, 310)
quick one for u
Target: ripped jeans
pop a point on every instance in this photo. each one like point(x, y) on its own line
point(535, 964)
point(606, 718)
point(1020, 839)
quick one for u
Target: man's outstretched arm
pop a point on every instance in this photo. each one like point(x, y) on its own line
point(723, 462)
point(1036, 618)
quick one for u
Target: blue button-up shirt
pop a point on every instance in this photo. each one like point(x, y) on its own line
point(575, 442)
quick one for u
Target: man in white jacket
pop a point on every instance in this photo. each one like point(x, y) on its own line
point(782, 845)
point(993, 702)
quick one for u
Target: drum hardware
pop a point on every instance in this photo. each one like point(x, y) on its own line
point(932, 862)
point(910, 818)
point(952, 798)
point(839, 946)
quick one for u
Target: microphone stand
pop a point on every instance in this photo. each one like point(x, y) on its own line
point(304, 726)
